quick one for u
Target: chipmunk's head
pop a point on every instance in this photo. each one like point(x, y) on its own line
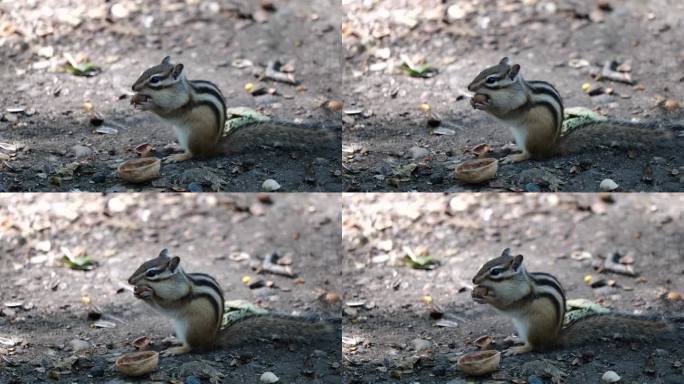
point(160, 87)
point(159, 270)
point(497, 277)
point(498, 89)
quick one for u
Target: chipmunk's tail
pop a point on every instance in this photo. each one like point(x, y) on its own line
point(627, 327)
point(283, 133)
point(282, 327)
point(579, 118)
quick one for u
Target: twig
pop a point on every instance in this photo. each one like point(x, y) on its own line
point(269, 265)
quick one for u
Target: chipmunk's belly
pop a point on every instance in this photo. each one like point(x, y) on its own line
point(182, 128)
point(180, 327)
point(521, 325)
point(519, 131)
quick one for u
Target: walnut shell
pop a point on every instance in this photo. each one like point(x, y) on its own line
point(479, 291)
point(479, 98)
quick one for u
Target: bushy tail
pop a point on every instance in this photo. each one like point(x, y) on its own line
point(615, 325)
point(276, 326)
point(579, 118)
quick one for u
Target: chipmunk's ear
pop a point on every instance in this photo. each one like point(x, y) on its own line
point(505, 61)
point(166, 60)
point(513, 72)
point(506, 252)
point(164, 253)
point(517, 262)
point(177, 69)
point(173, 264)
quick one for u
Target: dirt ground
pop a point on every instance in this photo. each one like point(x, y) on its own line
point(46, 330)
point(389, 147)
point(389, 336)
point(51, 144)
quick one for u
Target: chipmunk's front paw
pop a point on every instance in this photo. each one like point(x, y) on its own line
point(143, 292)
point(177, 158)
point(515, 158)
point(175, 351)
point(518, 350)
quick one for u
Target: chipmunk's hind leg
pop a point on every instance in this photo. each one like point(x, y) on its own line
point(175, 351)
point(178, 157)
point(518, 349)
point(516, 157)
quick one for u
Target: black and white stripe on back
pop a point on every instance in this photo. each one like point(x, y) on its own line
point(207, 93)
point(546, 285)
point(549, 96)
point(206, 286)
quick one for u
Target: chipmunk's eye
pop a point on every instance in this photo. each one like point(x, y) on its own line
point(491, 80)
point(154, 79)
point(495, 271)
point(152, 273)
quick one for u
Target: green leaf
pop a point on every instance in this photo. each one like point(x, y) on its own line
point(579, 116)
point(580, 308)
point(237, 310)
point(423, 70)
point(85, 69)
point(420, 262)
point(84, 263)
point(240, 117)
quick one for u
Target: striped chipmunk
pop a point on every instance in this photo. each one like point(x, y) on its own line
point(533, 110)
point(197, 111)
point(535, 301)
point(195, 304)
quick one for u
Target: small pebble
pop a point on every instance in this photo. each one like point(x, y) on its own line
point(97, 371)
point(194, 187)
point(99, 177)
point(269, 377)
point(531, 187)
point(610, 377)
point(608, 185)
point(193, 380)
point(270, 185)
point(534, 380)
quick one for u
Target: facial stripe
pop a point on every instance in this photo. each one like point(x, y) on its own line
point(498, 85)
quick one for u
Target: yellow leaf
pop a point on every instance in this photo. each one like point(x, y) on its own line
point(588, 279)
point(586, 86)
point(85, 300)
point(425, 108)
point(246, 279)
point(427, 299)
point(88, 106)
point(249, 87)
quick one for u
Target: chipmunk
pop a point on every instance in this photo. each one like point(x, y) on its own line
point(533, 110)
point(195, 304)
point(197, 111)
point(536, 303)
